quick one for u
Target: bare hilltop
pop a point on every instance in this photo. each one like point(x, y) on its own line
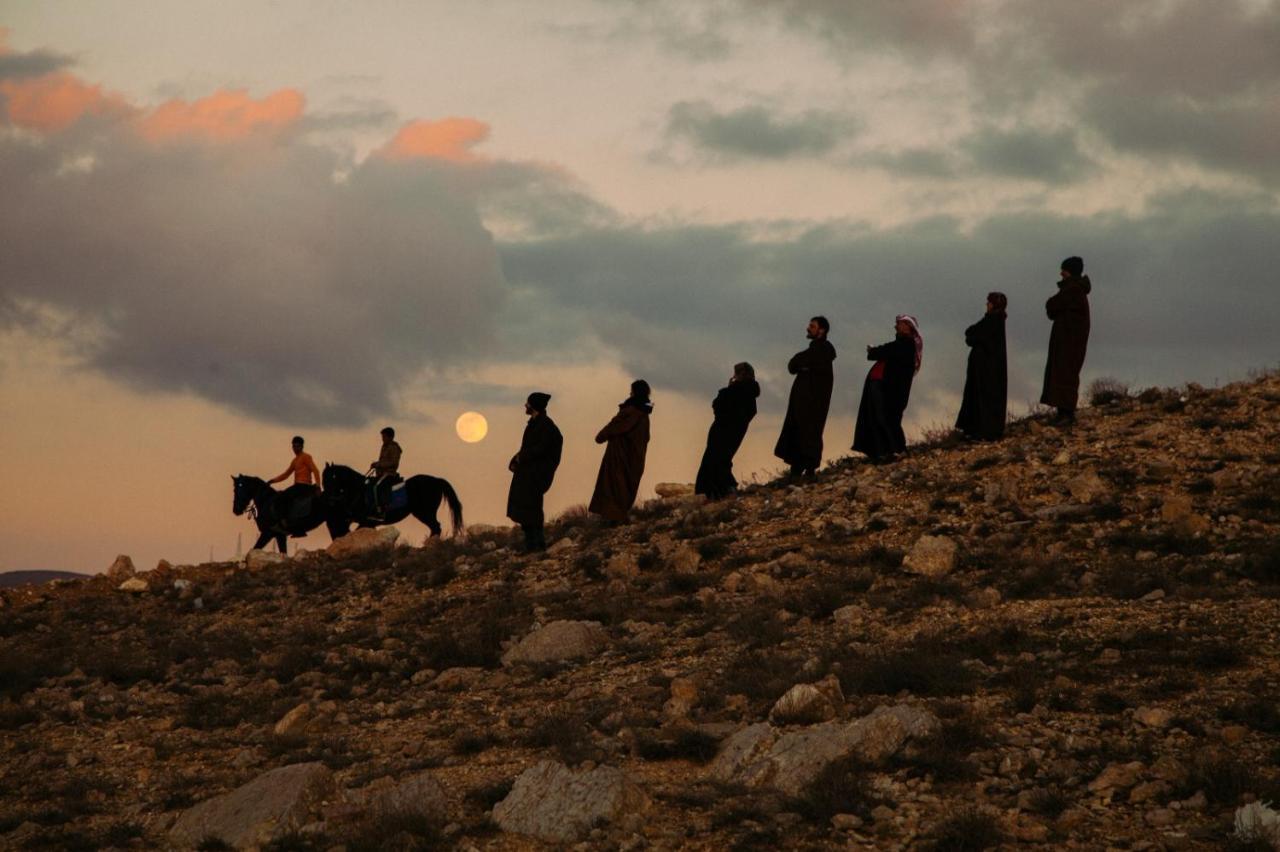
point(1063, 640)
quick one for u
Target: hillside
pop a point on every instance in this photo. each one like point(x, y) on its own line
point(1071, 635)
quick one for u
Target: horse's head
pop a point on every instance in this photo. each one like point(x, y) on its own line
point(339, 480)
point(245, 489)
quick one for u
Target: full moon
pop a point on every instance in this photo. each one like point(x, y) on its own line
point(472, 427)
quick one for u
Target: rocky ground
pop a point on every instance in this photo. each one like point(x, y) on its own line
point(1066, 639)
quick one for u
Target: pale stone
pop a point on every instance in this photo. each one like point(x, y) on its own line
point(558, 641)
point(136, 585)
point(273, 805)
point(1153, 717)
point(363, 541)
point(932, 556)
point(554, 804)
point(256, 560)
point(294, 722)
point(1117, 776)
point(1086, 487)
point(802, 704)
point(673, 489)
point(684, 696)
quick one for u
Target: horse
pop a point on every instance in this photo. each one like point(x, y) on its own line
point(273, 519)
point(346, 489)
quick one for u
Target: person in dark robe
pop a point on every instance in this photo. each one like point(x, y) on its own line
point(986, 379)
point(626, 437)
point(533, 468)
point(878, 432)
point(734, 406)
point(1069, 310)
point(800, 444)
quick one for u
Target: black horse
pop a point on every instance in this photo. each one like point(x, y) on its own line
point(272, 511)
point(346, 490)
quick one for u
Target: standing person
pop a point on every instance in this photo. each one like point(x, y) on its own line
point(734, 406)
point(800, 444)
point(294, 502)
point(986, 379)
point(533, 468)
point(886, 391)
point(1069, 310)
point(627, 436)
point(384, 472)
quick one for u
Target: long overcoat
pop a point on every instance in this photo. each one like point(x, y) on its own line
point(533, 470)
point(627, 439)
point(878, 432)
point(734, 406)
point(801, 440)
point(1069, 310)
point(986, 380)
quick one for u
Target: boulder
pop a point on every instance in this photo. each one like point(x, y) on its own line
point(121, 569)
point(1086, 487)
point(558, 641)
point(417, 795)
point(136, 585)
point(932, 556)
point(760, 756)
point(293, 723)
point(275, 804)
point(256, 560)
point(673, 489)
point(363, 541)
point(806, 703)
point(554, 804)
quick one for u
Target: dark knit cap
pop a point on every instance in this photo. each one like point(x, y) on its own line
point(1074, 266)
point(538, 401)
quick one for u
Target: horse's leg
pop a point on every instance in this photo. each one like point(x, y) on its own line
point(282, 544)
point(418, 504)
point(263, 538)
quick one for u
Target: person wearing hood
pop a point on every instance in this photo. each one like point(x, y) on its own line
point(1069, 311)
point(986, 380)
point(800, 444)
point(627, 439)
point(733, 408)
point(533, 469)
point(878, 432)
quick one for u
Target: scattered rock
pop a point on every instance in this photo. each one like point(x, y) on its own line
point(1086, 487)
point(558, 641)
point(256, 560)
point(275, 804)
point(932, 556)
point(1117, 776)
point(1153, 717)
point(121, 569)
point(622, 566)
point(807, 703)
point(363, 541)
point(554, 804)
point(418, 795)
point(684, 696)
point(673, 489)
point(293, 723)
point(136, 585)
point(685, 560)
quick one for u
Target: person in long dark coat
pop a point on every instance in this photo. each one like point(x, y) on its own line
point(533, 469)
point(1069, 310)
point(734, 406)
point(800, 444)
point(878, 432)
point(627, 439)
point(986, 379)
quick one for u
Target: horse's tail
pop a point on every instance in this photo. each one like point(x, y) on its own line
point(455, 505)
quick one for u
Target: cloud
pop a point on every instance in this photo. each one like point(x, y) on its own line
point(36, 63)
point(1052, 157)
point(53, 102)
point(756, 132)
point(224, 116)
point(447, 139)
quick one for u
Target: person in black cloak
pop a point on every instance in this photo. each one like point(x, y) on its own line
point(533, 468)
point(878, 432)
point(986, 380)
point(734, 406)
point(626, 437)
point(1069, 310)
point(800, 444)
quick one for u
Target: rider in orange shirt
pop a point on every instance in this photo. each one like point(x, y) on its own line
point(306, 483)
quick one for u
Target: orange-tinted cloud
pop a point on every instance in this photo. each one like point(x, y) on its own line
point(54, 102)
point(224, 116)
point(446, 139)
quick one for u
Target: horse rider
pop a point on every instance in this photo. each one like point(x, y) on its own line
point(306, 483)
point(384, 472)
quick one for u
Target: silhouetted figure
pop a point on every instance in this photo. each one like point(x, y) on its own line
point(1069, 310)
point(734, 406)
point(293, 505)
point(800, 444)
point(878, 432)
point(533, 468)
point(986, 379)
point(627, 439)
point(383, 473)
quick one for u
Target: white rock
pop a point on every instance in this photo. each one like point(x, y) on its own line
point(363, 541)
point(673, 489)
point(137, 585)
point(256, 560)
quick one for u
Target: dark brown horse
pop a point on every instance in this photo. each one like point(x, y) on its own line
point(273, 511)
point(346, 491)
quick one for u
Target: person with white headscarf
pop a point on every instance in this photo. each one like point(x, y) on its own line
point(878, 433)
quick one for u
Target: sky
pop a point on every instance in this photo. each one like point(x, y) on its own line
point(223, 224)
